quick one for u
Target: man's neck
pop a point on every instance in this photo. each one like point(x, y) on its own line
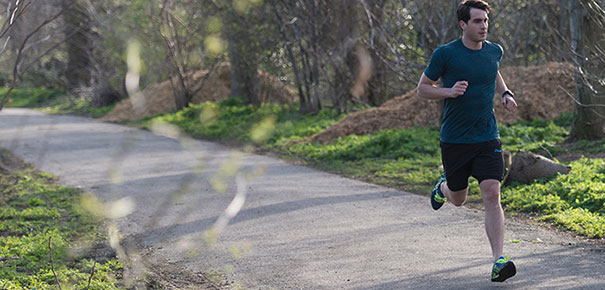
point(472, 44)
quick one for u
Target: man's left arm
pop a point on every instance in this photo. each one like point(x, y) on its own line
point(508, 100)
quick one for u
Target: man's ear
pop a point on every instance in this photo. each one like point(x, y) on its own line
point(462, 24)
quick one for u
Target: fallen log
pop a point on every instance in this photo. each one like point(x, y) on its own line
point(527, 167)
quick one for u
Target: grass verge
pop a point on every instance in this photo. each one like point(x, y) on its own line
point(53, 102)
point(30, 97)
point(45, 232)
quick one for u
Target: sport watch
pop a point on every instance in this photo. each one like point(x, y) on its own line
point(508, 92)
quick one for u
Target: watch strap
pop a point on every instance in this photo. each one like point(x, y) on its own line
point(508, 92)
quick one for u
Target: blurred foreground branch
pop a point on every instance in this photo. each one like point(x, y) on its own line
point(52, 262)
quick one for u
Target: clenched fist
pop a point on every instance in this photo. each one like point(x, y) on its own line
point(458, 89)
point(509, 103)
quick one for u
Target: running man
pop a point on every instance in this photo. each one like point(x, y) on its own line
point(470, 140)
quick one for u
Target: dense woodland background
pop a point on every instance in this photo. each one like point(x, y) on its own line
point(333, 53)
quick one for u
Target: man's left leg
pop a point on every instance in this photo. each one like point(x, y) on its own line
point(494, 226)
point(494, 215)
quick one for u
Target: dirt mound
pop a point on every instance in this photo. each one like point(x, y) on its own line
point(401, 112)
point(541, 92)
point(159, 98)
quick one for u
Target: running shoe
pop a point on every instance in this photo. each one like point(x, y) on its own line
point(437, 197)
point(503, 269)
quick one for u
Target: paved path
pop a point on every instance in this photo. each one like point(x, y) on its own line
point(298, 229)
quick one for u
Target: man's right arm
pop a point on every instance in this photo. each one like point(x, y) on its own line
point(428, 89)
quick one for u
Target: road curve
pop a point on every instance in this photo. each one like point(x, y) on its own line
point(299, 228)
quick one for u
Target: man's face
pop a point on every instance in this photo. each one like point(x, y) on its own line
point(476, 28)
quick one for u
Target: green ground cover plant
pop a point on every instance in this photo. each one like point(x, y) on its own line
point(575, 201)
point(30, 97)
point(38, 216)
point(76, 107)
point(233, 120)
point(410, 159)
point(534, 135)
point(53, 102)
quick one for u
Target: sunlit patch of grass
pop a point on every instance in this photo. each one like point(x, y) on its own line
point(53, 102)
point(575, 201)
point(533, 136)
point(234, 120)
point(30, 97)
point(37, 216)
point(77, 107)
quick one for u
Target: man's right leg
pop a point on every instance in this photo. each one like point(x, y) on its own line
point(453, 183)
point(442, 193)
point(458, 198)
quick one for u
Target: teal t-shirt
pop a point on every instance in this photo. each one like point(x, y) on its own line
point(469, 118)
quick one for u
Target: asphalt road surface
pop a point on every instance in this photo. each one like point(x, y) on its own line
point(298, 228)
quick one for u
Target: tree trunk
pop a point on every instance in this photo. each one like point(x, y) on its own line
point(589, 113)
point(288, 46)
point(314, 104)
point(103, 93)
point(78, 62)
point(377, 85)
point(244, 60)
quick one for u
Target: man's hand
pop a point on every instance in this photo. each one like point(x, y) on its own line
point(458, 89)
point(509, 103)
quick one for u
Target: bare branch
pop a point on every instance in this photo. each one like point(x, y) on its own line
point(370, 22)
point(92, 273)
point(18, 11)
point(16, 72)
point(52, 263)
point(207, 76)
point(5, 44)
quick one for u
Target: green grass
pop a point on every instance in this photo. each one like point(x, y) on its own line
point(76, 107)
point(52, 102)
point(591, 147)
point(33, 209)
point(534, 135)
point(30, 97)
point(410, 159)
point(232, 120)
point(575, 201)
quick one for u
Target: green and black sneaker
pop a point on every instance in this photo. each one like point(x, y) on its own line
point(437, 197)
point(503, 269)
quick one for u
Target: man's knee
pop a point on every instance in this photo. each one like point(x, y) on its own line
point(490, 190)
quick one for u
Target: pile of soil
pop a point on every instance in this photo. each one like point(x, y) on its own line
point(159, 98)
point(398, 113)
point(543, 91)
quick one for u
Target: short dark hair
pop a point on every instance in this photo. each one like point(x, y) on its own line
point(464, 8)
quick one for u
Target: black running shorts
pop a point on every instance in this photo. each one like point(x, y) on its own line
point(481, 160)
